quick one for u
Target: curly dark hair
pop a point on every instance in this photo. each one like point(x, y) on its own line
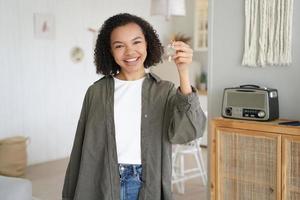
point(105, 62)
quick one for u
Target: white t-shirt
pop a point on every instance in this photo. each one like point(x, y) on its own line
point(127, 118)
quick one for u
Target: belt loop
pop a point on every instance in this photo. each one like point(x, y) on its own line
point(121, 169)
point(134, 169)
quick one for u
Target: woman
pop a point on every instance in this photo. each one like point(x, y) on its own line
point(130, 118)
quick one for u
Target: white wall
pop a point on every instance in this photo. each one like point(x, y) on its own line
point(225, 57)
point(41, 89)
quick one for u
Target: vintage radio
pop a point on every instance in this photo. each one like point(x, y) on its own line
point(250, 102)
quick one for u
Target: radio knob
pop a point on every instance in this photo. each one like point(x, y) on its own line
point(228, 111)
point(261, 114)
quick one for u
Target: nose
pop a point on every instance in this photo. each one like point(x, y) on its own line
point(129, 50)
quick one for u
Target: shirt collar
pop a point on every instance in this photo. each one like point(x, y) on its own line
point(153, 76)
point(148, 75)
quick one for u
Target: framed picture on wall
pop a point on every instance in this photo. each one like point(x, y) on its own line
point(44, 26)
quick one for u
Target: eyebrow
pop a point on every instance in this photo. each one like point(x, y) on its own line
point(136, 38)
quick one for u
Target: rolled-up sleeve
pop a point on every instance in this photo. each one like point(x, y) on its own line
point(186, 118)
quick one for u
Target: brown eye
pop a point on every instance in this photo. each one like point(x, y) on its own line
point(137, 42)
point(118, 46)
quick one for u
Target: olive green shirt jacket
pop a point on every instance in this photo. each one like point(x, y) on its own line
point(168, 117)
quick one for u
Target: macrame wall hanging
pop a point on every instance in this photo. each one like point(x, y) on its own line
point(268, 32)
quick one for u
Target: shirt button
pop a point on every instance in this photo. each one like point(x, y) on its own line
point(146, 115)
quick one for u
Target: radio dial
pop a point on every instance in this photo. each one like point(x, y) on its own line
point(261, 114)
point(228, 111)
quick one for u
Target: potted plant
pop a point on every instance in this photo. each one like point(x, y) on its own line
point(181, 37)
point(202, 81)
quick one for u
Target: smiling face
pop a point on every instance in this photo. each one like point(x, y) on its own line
point(129, 49)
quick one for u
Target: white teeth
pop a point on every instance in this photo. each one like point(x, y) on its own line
point(131, 60)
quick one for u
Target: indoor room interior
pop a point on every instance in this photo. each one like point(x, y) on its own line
point(246, 152)
point(46, 49)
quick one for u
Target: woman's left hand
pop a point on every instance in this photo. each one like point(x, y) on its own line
point(184, 55)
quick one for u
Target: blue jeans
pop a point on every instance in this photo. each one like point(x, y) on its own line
point(130, 181)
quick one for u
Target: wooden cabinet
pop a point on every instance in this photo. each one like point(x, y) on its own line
point(291, 167)
point(254, 160)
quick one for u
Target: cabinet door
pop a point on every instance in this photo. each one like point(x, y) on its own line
point(248, 165)
point(291, 168)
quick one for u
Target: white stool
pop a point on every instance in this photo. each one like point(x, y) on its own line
point(179, 173)
point(12, 188)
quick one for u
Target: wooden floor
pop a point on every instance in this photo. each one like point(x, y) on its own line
point(47, 181)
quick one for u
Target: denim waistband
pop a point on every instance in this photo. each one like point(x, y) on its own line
point(130, 169)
